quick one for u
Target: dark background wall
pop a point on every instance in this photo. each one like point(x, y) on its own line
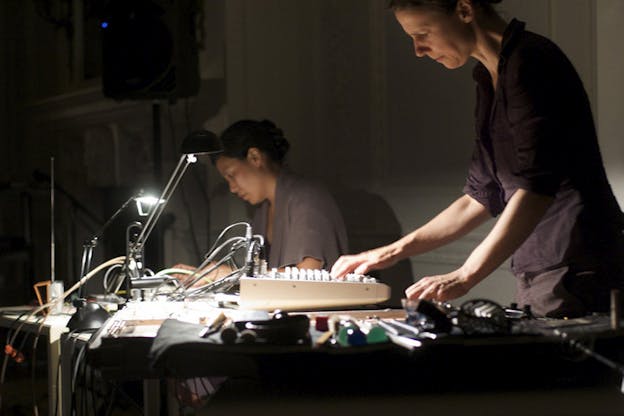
point(389, 133)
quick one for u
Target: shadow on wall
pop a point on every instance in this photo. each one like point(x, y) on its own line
point(371, 222)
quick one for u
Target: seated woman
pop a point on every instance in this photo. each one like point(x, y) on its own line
point(298, 218)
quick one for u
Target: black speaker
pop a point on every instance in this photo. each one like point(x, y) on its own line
point(149, 49)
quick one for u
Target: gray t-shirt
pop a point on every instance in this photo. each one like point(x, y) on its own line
point(307, 223)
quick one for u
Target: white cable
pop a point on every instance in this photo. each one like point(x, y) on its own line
point(116, 260)
point(214, 253)
point(105, 283)
point(173, 270)
point(225, 230)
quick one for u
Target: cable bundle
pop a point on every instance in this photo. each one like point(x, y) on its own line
point(247, 246)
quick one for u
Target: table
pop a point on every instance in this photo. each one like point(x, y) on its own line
point(51, 327)
point(302, 374)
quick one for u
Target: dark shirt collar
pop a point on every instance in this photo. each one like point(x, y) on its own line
point(510, 36)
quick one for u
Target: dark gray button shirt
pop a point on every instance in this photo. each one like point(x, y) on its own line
point(307, 223)
point(536, 132)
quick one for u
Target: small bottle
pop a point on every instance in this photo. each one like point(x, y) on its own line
point(55, 294)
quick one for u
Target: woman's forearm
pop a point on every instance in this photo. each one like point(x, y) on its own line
point(461, 217)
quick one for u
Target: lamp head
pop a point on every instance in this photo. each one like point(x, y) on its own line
point(201, 142)
point(88, 315)
point(146, 201)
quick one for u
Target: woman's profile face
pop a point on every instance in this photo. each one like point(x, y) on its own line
point(445, 38)
point(243, 177)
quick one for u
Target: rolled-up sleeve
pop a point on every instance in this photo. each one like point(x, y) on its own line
point(480, 184)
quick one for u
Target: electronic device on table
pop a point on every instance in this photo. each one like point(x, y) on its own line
point(305, 289)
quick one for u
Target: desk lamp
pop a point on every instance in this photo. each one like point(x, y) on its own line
point(89, 245)
point(197, 142)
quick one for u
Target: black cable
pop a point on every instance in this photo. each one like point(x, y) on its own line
point(84, 396)
point(13, 324)
point(80, 376)
point(5, 361)
point(23, 343)
point(74, 334)
point(77, 363)
point(85, 377)
point(33, 367)
point(5, 364)
point(88, 386)
point(72, 406)
point(93, 392)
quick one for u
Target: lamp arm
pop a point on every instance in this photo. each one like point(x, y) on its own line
point(97, 235)
point(157, 210)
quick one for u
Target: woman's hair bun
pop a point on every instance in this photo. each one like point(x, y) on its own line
point(280, 144)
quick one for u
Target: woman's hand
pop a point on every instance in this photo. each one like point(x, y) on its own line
point(220, 272)
point(182, 276)
point(441, 288)
point(379, 258)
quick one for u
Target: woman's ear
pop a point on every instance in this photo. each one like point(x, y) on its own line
point(465, 10)
point(255, 157)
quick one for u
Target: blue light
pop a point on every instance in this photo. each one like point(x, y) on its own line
point(104, 25)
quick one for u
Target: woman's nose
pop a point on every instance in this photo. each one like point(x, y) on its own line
point(232, 186)
point(419, 50)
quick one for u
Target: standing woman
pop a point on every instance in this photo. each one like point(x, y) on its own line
point(298, 218)
point(536, 166)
